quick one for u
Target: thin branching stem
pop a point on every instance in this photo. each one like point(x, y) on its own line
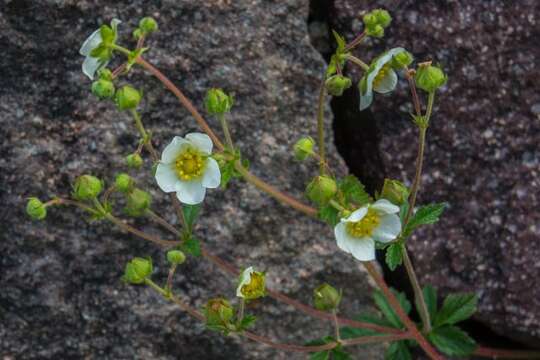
point(320, 128)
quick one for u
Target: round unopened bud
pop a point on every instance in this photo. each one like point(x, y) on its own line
point(127, 98)
point(321, 189)
point(103, 89)
point(218, 312)
point(87, 187)
point(134, 161)
point(137, 202)
point(36, 209)
point(137, 33)
point(124, 183)
point(370, 20)
point(383, 17)
point(401, 60)
point(394, 191)
point(105, 74)
point(304, 148)
point(176, 257)
point(148, 24)
point(137, 270)
point(326, 297)
point(337, 84)
point(376, 31)
point(429, 77)
point(217, 102)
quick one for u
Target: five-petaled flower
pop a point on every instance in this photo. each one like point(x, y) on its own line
point(187, 168)
point(357, 233)
point(95, 48)
point(251, 285)
point(380, 77)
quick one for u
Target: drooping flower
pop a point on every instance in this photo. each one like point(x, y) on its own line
point(97, 54)
point(251, 285)
point(380, 77)
point(357, 233)
point(187, 168)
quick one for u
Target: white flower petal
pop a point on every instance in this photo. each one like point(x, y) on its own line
point(342, 236)
point(91, 43)
point(387, 84)
point(388, 229)
point(212, 176)
point(166, 177)
point(357, 215)
point(190, 192)
point(171, 151)
point(366, 100)
point(245, 278)
point(200, 141)
point(384, 206)
point(363, 249)
point(91, 65)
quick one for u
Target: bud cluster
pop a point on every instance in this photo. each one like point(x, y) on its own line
point(376, 21)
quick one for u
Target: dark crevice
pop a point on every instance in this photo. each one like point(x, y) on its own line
point(356, 137)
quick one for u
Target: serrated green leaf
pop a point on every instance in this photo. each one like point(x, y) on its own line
point(373, 319)
point(456, 308)
point(320, 341)
point(321, 355)
point(394, 255)
point(425, 215)
point(192, 246)
point(452, 341)
point(348, 332)
point(387, 310)
point(353, 191)
point(191, 212)
point(329, 215)
point(341, 44)
point(247, 322)
point(340, 354)
point(430, 297)
point(398, 351)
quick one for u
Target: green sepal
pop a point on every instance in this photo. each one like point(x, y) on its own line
point(353, 191)
point(107, 34)
point(329, 215)
point(341, 44)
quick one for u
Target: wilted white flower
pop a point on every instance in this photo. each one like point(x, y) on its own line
point(187, 168)
point(91, 63)
point(251, 285)
point(380, 77)
point(357, 233)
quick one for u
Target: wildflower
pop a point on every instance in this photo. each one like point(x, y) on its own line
point(96, 48)
point(252, 284)
point(187, 168)
point(357, 233)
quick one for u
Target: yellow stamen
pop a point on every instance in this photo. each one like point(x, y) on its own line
point(365, 226)
point(381, 75)
point(189, 164)
point(255, 286)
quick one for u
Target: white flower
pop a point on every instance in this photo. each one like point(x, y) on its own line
point(380, 78)
point(187, 168)
point(376, 222)
point(92, 64)
point(251, 285)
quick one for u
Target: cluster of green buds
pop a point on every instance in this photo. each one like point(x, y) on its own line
point(147, 25)
point(87, 187)
point(217, 102)
point(138, 270)
point(429, 77)
point(321, 189)
point(376, 21)
point(326, 297)
point(219, 314)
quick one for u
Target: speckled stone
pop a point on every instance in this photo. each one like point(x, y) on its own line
point(482, 153)
point(61, 296)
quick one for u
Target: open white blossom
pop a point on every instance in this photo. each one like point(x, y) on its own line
point(92, 64)
point(251, 285)
point(380, 78)
point(187, 168)
point(357, 233)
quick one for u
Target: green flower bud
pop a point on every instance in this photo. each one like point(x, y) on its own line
point(218, 313)
point(124, 183)
point(394, 191)
point(337, 84)
point(103, 89)
point(105, 74)
point(176, 257)
point(383, 17)
point(36, 209)
point(134, 161)
point(127, 98)
point(137, 270)
point(429, 77)
point(137, 202)
point(87, 187)
point(217, 102)
point(376, 31)
point(401, 60)
point(137, 34)
point(326, 297)
point(148, 24)
point(321, 189)
point(370, 20)
point(304, 148)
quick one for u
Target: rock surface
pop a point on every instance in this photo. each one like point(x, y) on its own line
point(482, 151)
point(61, 295)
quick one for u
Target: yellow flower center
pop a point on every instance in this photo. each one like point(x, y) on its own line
point(255, 287)
point(385, 70)
point(365, 226)
point(189, 164)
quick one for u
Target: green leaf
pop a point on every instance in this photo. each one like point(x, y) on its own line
point(452, 341)
point(191, 212)
point(398, 351)
point(430, 297)
point(403, 211)
point(107, 34)
point(348, 332)
point(372, 319)
point(388, 312)
point(456, 308)
point(341, 44)
point(247, 322)
point(339, 354)
point(321, 355)
point(354, 191)
point(394, 255)
point(329, 215)
point(191, 245)
point(428, 214)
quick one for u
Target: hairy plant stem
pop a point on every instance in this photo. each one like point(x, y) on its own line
point(357, 62)
point(356, 41)
point(320, 128)
point(241, 311)
point(414, 93)
point(336, 325)
point(226, 132)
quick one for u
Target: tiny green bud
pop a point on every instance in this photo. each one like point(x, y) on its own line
point(127, 98)
point(383, 17)
point(105, 74)
point(87, 187)
point(401, 60)
point(176, 257)
point(103, 89)
point(370, 20)
point(429, 77)
point(321, 189)
point(394, 191)
point(124, 183)
point(218, 102)
point(148, 24)
point(218, 313)
point(376, 31)
point(326, 297)
point(134, 161)
point(137, 270)
point(137, 202)
point(337, 84)
point(137, 34)
point(304, 148)
point(36, 209)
